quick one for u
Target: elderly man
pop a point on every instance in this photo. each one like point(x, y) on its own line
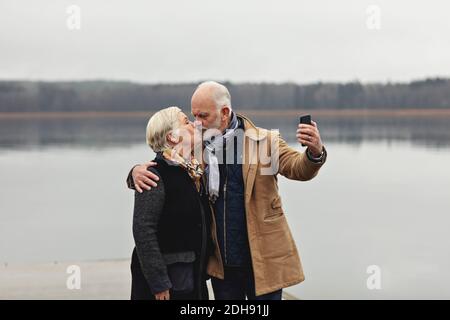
point(255, 254)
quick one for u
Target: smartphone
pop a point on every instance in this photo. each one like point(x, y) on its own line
point(306, 119)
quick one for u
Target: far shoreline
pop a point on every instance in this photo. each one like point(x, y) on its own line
point(323, 113)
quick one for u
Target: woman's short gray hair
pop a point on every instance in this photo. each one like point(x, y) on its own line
point(160, 125)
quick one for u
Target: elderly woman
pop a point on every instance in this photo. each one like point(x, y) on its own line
point(171, 223)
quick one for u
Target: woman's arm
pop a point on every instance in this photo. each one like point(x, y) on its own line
point(148, 207)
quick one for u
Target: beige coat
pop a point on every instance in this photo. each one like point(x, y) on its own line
point(275, 259)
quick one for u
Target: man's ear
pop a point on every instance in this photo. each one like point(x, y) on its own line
point(225, 113)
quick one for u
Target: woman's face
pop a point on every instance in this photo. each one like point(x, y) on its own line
point(185, 133)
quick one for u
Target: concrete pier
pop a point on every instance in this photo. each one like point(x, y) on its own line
point(99, 280)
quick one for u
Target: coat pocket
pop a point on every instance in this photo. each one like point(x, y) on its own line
point(275, 210)
point(180, 268)
point(181, 275)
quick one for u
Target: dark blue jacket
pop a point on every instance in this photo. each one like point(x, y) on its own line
point(230, 210)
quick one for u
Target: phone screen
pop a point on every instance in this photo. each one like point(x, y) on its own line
point(306, 119)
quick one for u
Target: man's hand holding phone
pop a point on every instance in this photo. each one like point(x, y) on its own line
point(308, 135)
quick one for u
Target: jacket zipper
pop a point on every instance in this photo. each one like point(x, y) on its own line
point(225, 214)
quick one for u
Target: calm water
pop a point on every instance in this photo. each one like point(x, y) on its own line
point(382, 199)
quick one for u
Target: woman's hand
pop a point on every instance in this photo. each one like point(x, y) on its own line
point(163, 295)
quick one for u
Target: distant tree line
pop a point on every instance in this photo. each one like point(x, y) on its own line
point(31, 96)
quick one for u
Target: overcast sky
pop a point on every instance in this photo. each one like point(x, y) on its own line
point(236, 40)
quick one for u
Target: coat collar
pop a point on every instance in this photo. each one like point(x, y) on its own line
point(251, 131)
point(250, 165)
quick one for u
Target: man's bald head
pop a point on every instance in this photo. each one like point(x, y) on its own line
point(211, 104)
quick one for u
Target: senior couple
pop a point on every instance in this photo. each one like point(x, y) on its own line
point(216, 216)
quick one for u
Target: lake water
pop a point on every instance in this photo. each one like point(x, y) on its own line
point(383, 198)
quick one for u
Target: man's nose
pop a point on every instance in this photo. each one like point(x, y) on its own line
point(198, 123)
